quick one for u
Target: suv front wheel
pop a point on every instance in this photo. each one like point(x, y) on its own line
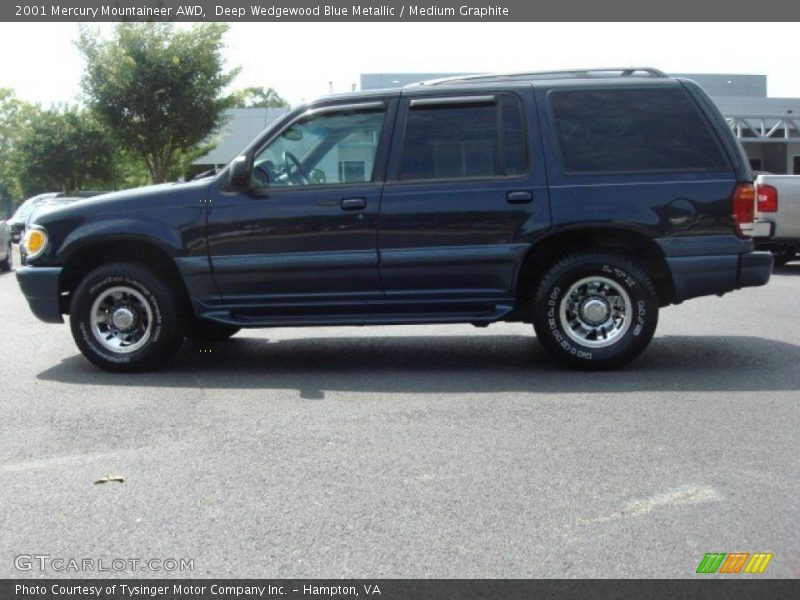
point(126, 318)
point(595, 310)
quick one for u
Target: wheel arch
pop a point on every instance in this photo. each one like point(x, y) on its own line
point(143, 251)
point(548, 249)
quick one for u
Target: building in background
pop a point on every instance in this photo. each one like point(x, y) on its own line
point(768, 128)
point(241, 126)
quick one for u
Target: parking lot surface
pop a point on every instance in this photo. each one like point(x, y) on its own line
point(435, 451)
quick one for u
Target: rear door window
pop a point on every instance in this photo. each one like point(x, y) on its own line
point(452, 140)
point(630, 130)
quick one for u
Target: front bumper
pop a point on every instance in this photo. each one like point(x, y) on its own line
point(17, 230)
point(40, 288)
point(694, 276)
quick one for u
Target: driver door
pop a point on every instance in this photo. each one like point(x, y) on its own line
point(306, 229)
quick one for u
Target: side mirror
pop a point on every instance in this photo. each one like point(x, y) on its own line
point(240, 171)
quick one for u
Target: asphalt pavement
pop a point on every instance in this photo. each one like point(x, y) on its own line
point(424, 451)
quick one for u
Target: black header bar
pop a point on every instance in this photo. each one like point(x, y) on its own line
point(734, 588)
point(397, 11)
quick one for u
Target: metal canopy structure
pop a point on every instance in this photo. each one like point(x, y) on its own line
point(776, 128)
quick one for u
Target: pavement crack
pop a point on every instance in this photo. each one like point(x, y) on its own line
point(684, 495)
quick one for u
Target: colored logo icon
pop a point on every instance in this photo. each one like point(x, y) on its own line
point(735, 562)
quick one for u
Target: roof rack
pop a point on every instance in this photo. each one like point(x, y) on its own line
point(566, 74)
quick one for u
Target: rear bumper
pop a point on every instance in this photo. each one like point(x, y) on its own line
point(40, 287)
point(694, 276)
point(763, 229)
point(755, 269)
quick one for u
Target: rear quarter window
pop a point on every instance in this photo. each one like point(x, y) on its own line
point(633, 130)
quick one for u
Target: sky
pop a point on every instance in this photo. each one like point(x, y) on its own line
point(305, 60)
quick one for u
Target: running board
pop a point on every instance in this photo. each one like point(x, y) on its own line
point(365, 318)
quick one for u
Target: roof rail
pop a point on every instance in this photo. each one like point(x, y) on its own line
point(565, 74)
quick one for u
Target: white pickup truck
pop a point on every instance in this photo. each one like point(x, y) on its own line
point(777, 219)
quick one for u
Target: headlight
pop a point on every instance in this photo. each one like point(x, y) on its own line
point(35, 242)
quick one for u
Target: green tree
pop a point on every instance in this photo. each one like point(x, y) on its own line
point(64, 149)
point(159, 89)
point(13, 115)
point(259, 97)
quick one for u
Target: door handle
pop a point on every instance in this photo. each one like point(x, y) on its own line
point(519, 197)
point(354, 203)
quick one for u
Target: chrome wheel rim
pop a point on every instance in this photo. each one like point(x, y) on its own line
point(122, 320)
point(595, 312)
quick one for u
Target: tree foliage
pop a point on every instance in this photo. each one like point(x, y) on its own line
point(259, 97)
point(160, 90)
point(63, 149)
point(13, 115)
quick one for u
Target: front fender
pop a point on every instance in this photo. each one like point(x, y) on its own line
point(120, 230)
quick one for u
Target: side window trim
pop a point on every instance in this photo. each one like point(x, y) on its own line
point(442, 101)
point(336, 108)
point(445, 101)
point(315, 111)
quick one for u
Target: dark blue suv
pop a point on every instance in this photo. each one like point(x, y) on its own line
point(580, 202)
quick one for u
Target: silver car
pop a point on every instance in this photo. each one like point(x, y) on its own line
point(777, 217)
point(6, 253)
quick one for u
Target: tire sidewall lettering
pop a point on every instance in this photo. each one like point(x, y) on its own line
point(620, 276)
point(87, 338)
point(552, 322)
point(641, 313)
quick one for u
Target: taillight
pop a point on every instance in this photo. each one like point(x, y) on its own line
point(744, 208)
point(767, 198)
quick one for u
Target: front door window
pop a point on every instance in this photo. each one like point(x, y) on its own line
point(329, 148)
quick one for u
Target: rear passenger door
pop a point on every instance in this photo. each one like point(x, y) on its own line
point(465, 192)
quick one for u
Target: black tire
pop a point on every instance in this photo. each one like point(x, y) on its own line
point(147, 291)
point(202, 330)
point(7, 264)
point(784, 256)
point(618, 277)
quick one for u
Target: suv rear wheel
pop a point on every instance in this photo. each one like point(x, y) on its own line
point(595, 310)
point(126, 318)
